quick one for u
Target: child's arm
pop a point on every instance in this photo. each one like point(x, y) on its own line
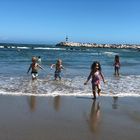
point(114, 63)
point(102, 77)
point(119, 64)
point(40, 67)
point(62, 67)
point(29, 69)
point(52, 66)
point(88, 78)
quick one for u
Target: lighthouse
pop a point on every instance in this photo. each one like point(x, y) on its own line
point(66, 38)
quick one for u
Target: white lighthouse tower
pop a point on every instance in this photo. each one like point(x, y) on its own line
point(67, 38)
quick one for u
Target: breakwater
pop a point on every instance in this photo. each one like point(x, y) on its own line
point(94, 45)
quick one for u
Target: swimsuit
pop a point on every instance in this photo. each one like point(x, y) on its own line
point(117, 66)
point(58, 71)
point(57, 74)
point(34, 74)
point(96, 78)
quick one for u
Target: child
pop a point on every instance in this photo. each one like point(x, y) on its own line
point(34, 66)
point(39, 59)
point(116, 65)
point(95, 74)
point(58, 68)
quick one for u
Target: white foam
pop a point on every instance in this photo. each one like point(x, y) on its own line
point(43, 48)
point(110, 53)
point(78, 94)
point(56, 93)
point(122, 87)
point(23, 48)
point(121, 95)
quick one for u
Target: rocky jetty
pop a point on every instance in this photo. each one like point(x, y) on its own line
point(94, 45)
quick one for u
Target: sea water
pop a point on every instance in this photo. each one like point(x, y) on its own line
point(16, 59)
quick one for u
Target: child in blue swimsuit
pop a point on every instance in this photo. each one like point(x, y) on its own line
point(96, 75)
point(58, 68)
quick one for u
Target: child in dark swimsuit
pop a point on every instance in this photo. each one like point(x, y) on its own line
point(96, 75)
point(58, 68)
point(34, 66)
point(116, 65)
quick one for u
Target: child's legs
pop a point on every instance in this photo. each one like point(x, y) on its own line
point(57, 75)
point(34, 76)
point(94, 90)
point(99, 89)
point(116, 70)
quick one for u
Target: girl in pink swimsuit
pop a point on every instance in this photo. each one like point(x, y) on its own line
point(96, 75)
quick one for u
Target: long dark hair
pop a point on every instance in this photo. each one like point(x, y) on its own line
point(93, 66)
point(117, 58)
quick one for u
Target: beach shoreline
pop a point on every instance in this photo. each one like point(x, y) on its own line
point(71, 118)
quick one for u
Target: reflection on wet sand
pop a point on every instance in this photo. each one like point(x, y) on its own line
point(94, 118)
point(57, 103)
point(32, 100)
point(115, 102)
point(32, 103)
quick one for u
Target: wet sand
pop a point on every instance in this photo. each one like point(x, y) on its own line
point(69, 118)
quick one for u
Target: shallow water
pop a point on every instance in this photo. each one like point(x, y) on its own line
point(16, 60)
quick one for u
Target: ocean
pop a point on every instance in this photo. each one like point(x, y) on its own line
point(15, 61)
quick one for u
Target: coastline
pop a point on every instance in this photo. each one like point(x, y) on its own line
point(94, 45)
point(69, 45)
point(71, 118)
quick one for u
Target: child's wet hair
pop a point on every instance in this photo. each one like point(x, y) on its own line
point(34, 59)
point(116, 57)
point(94, 64)
point(59, 61)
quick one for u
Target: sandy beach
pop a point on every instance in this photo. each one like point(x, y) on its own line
point(69, 118)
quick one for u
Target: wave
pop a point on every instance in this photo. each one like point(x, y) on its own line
point(110, 53)
point(42, 48)
point(68, 95)
point(22, 47)
point(46, 48)
point(33, 48)
point(116, 86)
point(1, 46)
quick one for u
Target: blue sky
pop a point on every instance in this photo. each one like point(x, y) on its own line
point(49, 21)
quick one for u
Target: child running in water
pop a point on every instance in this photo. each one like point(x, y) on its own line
point(35, 67)
point(39, 59)
point(58, 68)
point(116, 65)
point(95, 74)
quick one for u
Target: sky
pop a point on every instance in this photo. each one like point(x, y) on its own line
point(50, 21)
